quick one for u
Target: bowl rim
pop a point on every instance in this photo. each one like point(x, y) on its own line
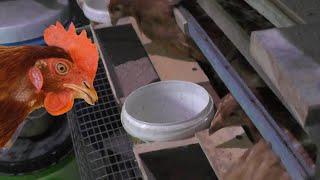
point(204, 112)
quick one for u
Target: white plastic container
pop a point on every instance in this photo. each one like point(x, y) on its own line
point(167, 110)
point(96, 10)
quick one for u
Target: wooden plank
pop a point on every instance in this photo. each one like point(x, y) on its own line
point(235, 33)
point(181, 21)
point(224, 147)
point(228, 25)
point(156, 146)
point(303, 11)
point(175, 69)
point(290, 58)
point(169, 68)
point(271, 12)
point(253, 107)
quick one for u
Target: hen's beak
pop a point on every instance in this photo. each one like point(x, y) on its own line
point(84, 92)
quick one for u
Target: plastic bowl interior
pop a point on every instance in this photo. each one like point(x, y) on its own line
point(167, 102)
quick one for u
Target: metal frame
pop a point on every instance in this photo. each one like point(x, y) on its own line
point(293, 162)
point(103, 149)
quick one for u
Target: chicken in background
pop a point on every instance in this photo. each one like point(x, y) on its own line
point(157, 21)
point(229, 113)
point(258, 163)
point(50, 76)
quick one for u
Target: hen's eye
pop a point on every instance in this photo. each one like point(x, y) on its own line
point(61, 68)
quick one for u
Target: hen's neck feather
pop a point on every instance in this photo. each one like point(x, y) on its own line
point(16, 61)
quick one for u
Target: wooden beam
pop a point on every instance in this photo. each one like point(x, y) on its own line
point(224, 147)
point(271, 12)
point(290, 58)
point(235, 33)
point(166, 66)
point(302, 11)
point(247, 100)
point(230, 27)
point(181, 21)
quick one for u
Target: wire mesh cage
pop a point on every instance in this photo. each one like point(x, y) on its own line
point(102, 147)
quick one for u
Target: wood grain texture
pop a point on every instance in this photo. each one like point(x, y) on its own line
point(156, 146)
point(224, 147)
point(303, 11)
point(235, 33)
point(290, 58)
point(175, 69)
point(271, 12)
point(167, 67)
point(181, 21)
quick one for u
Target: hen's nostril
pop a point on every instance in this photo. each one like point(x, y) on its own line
point(86, 84)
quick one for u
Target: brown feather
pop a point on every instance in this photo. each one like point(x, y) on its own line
point(156, 20)
point(17, 96)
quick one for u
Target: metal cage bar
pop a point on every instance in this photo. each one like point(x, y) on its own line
point(102, 147)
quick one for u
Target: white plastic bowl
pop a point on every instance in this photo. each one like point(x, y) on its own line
point(96, 10)
point(167, 110)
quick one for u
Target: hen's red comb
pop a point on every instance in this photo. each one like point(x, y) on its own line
point(83, 52)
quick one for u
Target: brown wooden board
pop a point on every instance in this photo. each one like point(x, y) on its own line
point(166, 65)
point(224, 147)
point(290, 59)
point(303, 11)
point(237, 35)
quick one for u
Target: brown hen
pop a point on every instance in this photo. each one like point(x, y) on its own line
point(45, 76)
point(156, 20)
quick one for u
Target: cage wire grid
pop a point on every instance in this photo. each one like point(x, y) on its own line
point(102, 146)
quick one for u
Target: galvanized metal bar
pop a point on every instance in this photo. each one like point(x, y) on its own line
point(247, 100)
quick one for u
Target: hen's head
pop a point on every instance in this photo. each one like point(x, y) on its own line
point(62, 80)
point(119, 9)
